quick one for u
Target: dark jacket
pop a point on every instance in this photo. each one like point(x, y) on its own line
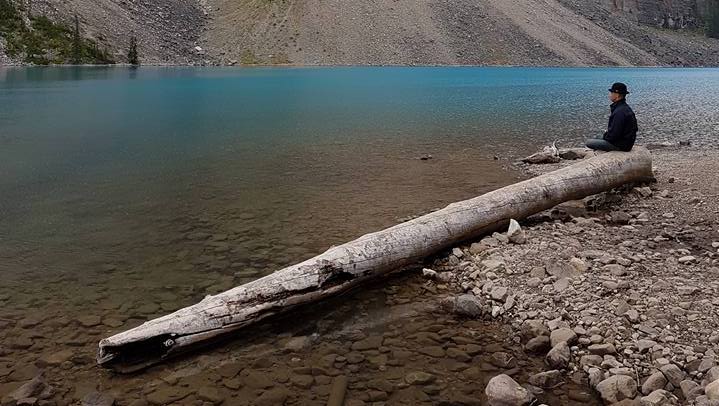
point(622, 129)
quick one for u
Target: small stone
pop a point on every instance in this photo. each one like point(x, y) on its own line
point(273, 397)
point(98, 399)
point(687, 259)
point(654, 382)
point(89, 320)
point(533, 328)
point(502, 390)
point(477, 248)
point(615, 269)
point(711, 376)
point(296, 344)
point(538, 345)
point(659, 397)
point(210, 394)
point(429, 273)
point(559, 356)
point(419, 378)
point(687, 290)
point(673, 374)
point(578, 264)
point(595, 376)
point(620, 217)
point(491, 264)
point(534, 282)
point(369, 343)
point(590, 360)
point(499, 293)
point(468, 305)
point(632, 315)
point(563, 334)
point(617, 388)
point(546, 380)
point(56, 358)
point(602, 349)
point(561, 285)
point(432, 351)
point(712, 390)
point(302, 381)
point(230, 369)
point(256, 380)
point(30, 389)
point(687, 386)
point(502, 359)
point(645, 345)
point(706, 364)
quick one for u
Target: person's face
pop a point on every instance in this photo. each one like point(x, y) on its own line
point(614, 97)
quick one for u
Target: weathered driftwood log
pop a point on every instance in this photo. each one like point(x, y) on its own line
point(345, 266)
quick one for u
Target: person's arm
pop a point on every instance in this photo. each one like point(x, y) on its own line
point(616, 127)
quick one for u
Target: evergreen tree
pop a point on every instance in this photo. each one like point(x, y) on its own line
point(132, 57)
point(76, 43)
point(713, 19)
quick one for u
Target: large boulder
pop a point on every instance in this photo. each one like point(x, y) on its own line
point(617, 388)
point(502, 390)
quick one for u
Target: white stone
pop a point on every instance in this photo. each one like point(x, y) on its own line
point(515, 233)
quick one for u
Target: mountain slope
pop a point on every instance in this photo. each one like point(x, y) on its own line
point(526, 32)
point(326, 32)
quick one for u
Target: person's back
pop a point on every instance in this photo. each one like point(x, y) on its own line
point(622, 129)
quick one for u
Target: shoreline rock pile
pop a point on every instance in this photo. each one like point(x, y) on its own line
point(626, 299)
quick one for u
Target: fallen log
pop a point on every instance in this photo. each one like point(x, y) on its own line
point(370, 256)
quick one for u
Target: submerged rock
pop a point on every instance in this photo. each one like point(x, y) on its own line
point(547, 379)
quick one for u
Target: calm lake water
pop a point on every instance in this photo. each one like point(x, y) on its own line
point(126, 194)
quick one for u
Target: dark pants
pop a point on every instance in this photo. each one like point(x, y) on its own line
point(601, 145)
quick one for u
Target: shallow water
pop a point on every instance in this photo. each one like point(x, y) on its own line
point(126, 194)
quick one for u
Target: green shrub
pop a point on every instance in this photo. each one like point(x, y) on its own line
point(47, 42)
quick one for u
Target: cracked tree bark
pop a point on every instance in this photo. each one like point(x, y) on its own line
point(348, 265)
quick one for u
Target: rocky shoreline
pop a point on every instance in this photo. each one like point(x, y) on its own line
point(608, 300)
point(624, 297)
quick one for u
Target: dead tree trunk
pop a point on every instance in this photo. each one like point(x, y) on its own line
point(345, 266)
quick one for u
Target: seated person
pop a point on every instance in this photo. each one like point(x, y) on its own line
point(622, 130)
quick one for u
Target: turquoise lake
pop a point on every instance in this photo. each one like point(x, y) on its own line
point(284, 162)
point(113, 165)
point(126, 194)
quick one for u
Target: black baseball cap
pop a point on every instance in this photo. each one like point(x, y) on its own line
point(619, 88)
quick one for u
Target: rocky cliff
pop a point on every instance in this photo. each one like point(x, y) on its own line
point(320, 32)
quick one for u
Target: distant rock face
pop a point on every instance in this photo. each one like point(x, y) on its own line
point(675, 14)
